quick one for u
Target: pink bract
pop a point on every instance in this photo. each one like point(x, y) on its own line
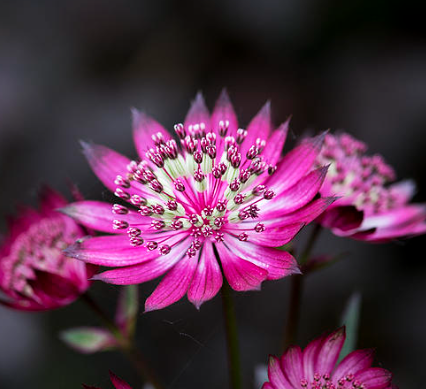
point(316, 367)
point(226, 193)
point(367, 207)
point(35, 275)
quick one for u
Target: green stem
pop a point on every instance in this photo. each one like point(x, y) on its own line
point(125, 343)
point(290, 331)
point(231, 337)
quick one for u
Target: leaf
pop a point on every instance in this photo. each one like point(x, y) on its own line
point(88, 340)
point(350, 319)
point(127, 309)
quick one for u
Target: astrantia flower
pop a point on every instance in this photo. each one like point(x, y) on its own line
point(315, 367)
point(368, 209)
point(116, 381)
point(34, 273)
point(225, 193)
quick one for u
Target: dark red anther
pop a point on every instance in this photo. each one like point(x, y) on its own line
point(176, 224)
point(137, 200)
point(208, 210)
point(193, 219)
point(223, 127)
point(123, 182)
point(204, 143)
point(252, 152)
point(133, 232)
point(241, 135)
point(172, 205)
point(119, 224)
point(158, 209)
point(259, 227)
point(136, 241)
point(180, 130)
point(157, 138)
point(219, 237)
point(239, 198)
point(179, 185)
point(122, 194)
point(156, 186)
point(132, 166)
point(234, 185)
point(229, 142)
point(211, 138)
point(236, 160)
point(244, 214)
point(152, 245)
point(221, 205)
point(258, 190)
point(171, 149)
point(243, 237)
point(157, 224)
point(211, 151)
point(145, 210)
point(198, 175)
point(268, 194)
point(244, 175)
point(119, 209)
point(272, 169)
point(260, 144)
point(165, 249)
point(198, 157)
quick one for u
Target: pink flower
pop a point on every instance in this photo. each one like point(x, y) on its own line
point(227, 193)
point(35, 275)
point(369, 209)
point(116, 381)
point(315, 367)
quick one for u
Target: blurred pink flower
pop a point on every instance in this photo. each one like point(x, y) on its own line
point(315, 367)
point(35, 275)
point(227, 193)
point(368, 208)
point(116, 381)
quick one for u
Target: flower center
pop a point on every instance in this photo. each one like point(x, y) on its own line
point(201, 191)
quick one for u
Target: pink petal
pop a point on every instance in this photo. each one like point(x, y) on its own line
point(292, 365)
point(374, 378)
point(242, 275)
point(98, 215)
point(309, 357)
point(207, 279)
point(198, 113)
point(144, 127)
point(174, 285)
point(107, 164)
point(224, 111)
point(354, 362)
point(145, 271)
point(404, 189)
point(275, 235)
point(299, 194)
point(118, 382)
point(385, 235)
point(267, 385)
point(110, 251)
point(343, 218)
point(296, 164)
point(259, 127)
point(278, 263)
point(275, 143)
point(329, 351)
point(303, 215)
point(276, 375)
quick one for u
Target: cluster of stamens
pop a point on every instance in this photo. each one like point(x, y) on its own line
point(323, 381)
point(355, 175)
point(194, 191)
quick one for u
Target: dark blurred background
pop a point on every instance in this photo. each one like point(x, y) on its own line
point(71, 70)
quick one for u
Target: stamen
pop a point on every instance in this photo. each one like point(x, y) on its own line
point(180, 130)
point(119, 209)
point(151, 246)
point(122, 194)
point(120, 181)
point(119, 224)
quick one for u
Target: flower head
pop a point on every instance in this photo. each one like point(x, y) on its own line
point(224, 193)
point(315, 367)
point(368, 209)
point(35, 275)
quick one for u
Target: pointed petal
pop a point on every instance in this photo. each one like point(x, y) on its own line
point(275, 143)
point(207, 279)
point(50, 201)
point(405, 190)
point(174, 285)
point(344, 218)
point(98, 215)
point(296, 163)
point(197, 114)
point(374, 378)
point(299, 194)
point(145, 271)
point(276, 375)
point(114, 250)
point(275, 235)
point(242, 275)
point(278, 263)
point(118, 382)
point(224, 110)
point(309, 357)
point(259, 127)
point(329, 352)
point(292, 366)
point(144, 127)
point(354, 362)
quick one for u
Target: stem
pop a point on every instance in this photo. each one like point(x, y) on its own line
point(126, 345)
point(231, 337)
point(296, 290)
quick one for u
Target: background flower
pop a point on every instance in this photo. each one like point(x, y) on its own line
point(35, 275)
point(369, 207)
